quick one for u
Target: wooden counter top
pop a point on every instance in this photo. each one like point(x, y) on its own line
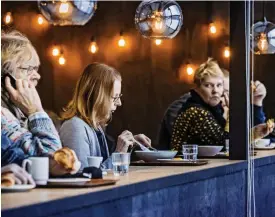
point(139, 179)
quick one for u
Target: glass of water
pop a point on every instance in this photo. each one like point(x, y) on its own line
point(121, 162)
point(190, 152)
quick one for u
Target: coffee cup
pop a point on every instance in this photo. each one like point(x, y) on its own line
point(38, 167)
point(94, 161)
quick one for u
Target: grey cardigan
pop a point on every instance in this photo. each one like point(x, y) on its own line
point(80, 137)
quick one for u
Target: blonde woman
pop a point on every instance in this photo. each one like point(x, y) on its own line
point(96, 97)
point(202, 119)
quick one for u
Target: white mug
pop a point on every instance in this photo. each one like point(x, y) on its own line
point(38, 167)
point(94, 161)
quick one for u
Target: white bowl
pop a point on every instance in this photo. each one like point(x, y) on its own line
point(208, 151)
point(151, 156)
point(262, 143)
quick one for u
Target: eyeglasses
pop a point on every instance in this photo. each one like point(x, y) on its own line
point(116, 98)
point(29, 69)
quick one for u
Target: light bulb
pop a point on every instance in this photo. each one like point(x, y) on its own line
point(8, 18)
point(93, 47)
point(189, 69)
point(64, 7)
point(158, 24)
point(226, 52)
point(55, 51)
point(212, 28)
point(61, 60)
point(158, 41)
point(40, 20)
point(263, 43)
point(121, 42)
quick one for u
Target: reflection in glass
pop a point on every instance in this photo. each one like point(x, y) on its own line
point(263, 36)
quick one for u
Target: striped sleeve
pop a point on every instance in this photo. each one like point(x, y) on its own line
point(40, 138)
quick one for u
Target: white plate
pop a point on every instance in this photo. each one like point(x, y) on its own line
point(150, 156)
point(17, 188)
point(68, 180)
point(267, 147)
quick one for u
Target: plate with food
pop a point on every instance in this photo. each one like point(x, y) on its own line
point(17, 188)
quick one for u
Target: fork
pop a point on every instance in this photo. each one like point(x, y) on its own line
point(143, 148)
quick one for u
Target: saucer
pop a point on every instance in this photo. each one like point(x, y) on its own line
point(17, 188)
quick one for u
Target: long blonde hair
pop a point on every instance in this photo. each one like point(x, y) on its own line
point(92, 95)
point(15, 49)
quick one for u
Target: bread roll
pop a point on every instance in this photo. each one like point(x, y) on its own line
point(7, 180)
point(68, 159)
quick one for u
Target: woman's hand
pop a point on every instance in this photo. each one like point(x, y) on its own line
point(143, 140)
point(20, 175)
point(262, 130)
point(124, 140)
point(25, 96)
point(259, 93)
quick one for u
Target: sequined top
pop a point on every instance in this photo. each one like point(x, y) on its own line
point(200, 124)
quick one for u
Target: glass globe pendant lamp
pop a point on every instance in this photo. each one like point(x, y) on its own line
point(65, 12)
point(158, 19)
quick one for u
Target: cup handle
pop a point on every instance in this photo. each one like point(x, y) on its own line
point(25, 163)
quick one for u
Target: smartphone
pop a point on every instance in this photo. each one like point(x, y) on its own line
point(12, 80)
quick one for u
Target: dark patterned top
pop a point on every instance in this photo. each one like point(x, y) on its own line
point(198, 123)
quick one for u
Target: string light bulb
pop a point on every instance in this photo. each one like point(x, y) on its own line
point(93, 46)
point(212, 28)
point(55, 51)
point(263, 43)
point(158, 41)
point(40, 19)
point(8, 18)
point(121, 42)
point(189, 69)
point(61, 59)
point(226, 52)
point(64, 7)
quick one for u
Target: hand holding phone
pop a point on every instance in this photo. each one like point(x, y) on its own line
point(24, 96)
point(12, 80)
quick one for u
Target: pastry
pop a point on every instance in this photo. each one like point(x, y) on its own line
point(68, 159)
point(7, 179)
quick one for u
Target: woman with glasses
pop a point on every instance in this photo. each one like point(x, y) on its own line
point(96, 97)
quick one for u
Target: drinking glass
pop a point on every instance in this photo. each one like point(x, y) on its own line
point(190, 152)
point(121, 162)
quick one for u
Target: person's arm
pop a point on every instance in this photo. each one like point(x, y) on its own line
point(11, 153)
point(200, 120)
point(259, 115)
point(40, 139)
point(74, 135)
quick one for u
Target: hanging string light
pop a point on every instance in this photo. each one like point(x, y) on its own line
point(158, 42)
point(189, 69)
point(55, 51)
point(212, 28)
point(8, 18)
point(226, 52)
point(61, 59)
point(40, 19)
point(93, 46)
point(121, 41)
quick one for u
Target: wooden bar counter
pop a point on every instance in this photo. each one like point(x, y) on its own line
point(216, 189)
